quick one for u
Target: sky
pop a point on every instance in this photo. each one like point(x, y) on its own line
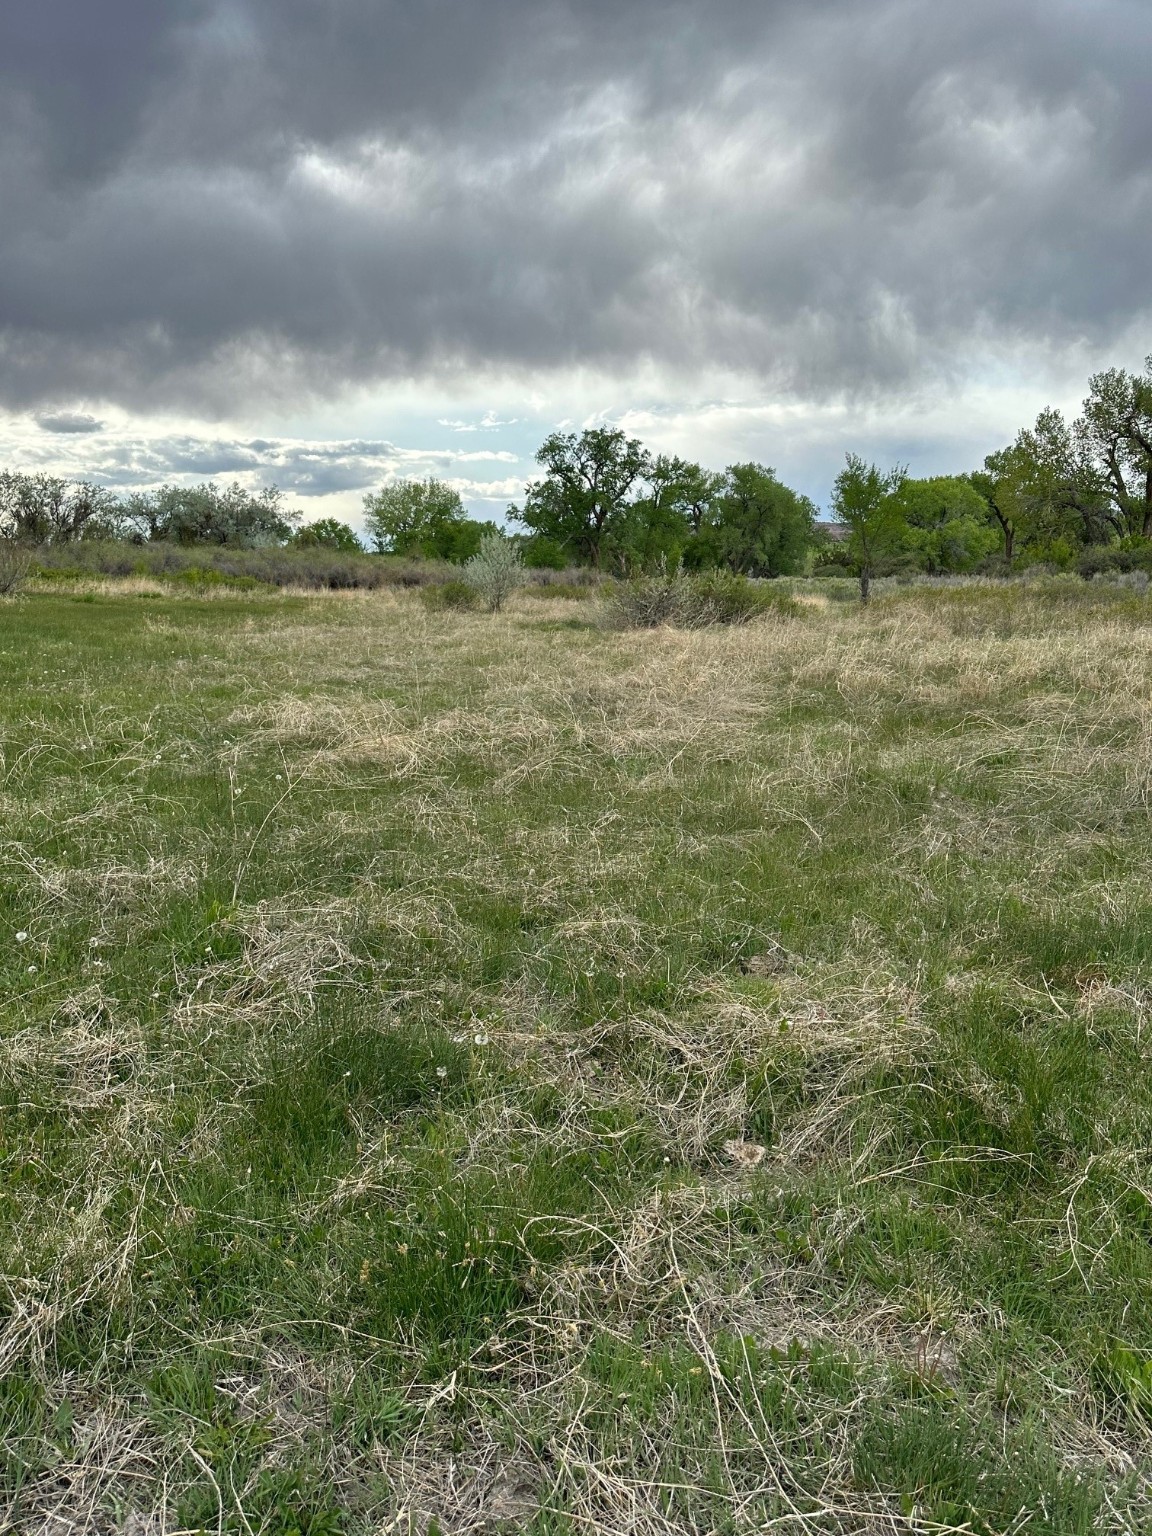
point(329, 243)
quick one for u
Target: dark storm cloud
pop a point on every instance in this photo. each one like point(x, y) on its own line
point(69, 423)
point(211, 204)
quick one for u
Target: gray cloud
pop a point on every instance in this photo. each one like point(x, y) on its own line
point(68, 422)
point(300, 467)
point(215, 203)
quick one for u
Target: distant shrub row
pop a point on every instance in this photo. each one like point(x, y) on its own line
point(206, 565)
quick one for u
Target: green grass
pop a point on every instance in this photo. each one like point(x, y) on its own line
point(459, 1069)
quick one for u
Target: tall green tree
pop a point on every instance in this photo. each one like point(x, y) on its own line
point(865, 500)
point(664, 522)
point(424, 518)
point(757, 526)
point(947, 521)
point(1115, 431)
point(1043, 492)
point(585, 501)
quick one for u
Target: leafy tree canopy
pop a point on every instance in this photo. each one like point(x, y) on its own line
point(1114, 434)
point(866, 500)
point(1043, 491)
point(585, 502)
point(948, 523)
point(327, 533)
point(424, 518)
point(755, 525)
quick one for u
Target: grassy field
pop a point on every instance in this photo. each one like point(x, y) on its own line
point(466, 1073)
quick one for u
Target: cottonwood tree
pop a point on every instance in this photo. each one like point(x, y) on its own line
point(1043, 489)
point(327, 533)
point(864, 499)
point(948, 525)
point(425, 518)
point(687, 488)
point(663, 523)
point(1115, 431)
point(755, 525)
point(587, 495)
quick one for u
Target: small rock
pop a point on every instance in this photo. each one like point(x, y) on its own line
point(745, 1154)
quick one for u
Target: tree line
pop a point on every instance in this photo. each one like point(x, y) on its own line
point(1061, 492)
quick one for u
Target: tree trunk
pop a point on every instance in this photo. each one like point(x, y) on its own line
point(865, 585)
point(1009, 532)
point(1146, 531)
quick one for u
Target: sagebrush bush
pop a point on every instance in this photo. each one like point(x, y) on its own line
point(694, 601)
point(495, 571)
point(317, 569)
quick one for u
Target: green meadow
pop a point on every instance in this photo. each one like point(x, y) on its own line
point(473, 1073)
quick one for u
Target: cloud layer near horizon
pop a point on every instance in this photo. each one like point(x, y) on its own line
point(126, 460)
point(213, 203)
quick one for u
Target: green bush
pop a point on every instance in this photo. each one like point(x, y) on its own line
point(542, 554)
point(1116, 559)
point(458, 595)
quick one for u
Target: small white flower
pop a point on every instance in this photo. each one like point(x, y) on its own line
point(32, 969)
point(21, 938)
point(441, 1072)
point(480, 1039)
point(93, 943)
